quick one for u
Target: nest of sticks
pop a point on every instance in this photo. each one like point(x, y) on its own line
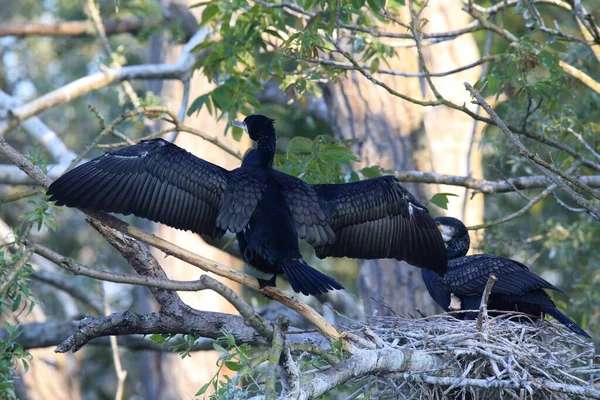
point(502, 357)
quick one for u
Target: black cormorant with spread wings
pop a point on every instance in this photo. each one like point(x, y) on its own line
point(267, 209)
point(516, 288)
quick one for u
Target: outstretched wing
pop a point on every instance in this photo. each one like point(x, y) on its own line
point(312, 223)
point(468, 276)
point(379, 218)
point(154, 179)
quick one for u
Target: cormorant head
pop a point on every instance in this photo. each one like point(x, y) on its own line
point(455, 235)
point(259, 128)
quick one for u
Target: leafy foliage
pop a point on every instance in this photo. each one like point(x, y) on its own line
point(14, 298)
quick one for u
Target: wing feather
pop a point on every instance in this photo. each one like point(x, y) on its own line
point(311, 221)
point(468, 276)
point(154, 179)
point(379, 218)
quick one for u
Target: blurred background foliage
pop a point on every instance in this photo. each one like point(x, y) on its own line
point(561, 245)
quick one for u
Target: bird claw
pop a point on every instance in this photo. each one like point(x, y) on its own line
point(263, 283)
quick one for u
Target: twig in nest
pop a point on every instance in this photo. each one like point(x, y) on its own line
point(483, 311)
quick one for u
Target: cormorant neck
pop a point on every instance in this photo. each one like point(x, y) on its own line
point(266, 148)
point(458, 247)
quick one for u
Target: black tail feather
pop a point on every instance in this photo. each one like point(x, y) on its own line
point(307, 280)
point(565, 320)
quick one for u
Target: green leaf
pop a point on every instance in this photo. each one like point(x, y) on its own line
point(237, 134)
point(300, 145)
point(200, 4)
point(374, 66)
point(203, 389)
point(371, 172)
point(197, 104)
point(234, 366)
point(376, 5)
point(209, 13)
point(357, 4)
point(220, 348)
point(493, 83)
point(441, 199)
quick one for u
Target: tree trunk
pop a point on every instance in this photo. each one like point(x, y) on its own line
point(399, 135)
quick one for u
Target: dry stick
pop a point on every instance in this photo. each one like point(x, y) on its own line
point(102, 123)
point(309, 348)
point(483, 310)
point(80, 269)
point(155, 111)
point(245, 310)
point(97, 19)
point(19, 195)
point(121, 374)
point(583, 142)
point(547, 169)
point(518, 213)
point(549, 190)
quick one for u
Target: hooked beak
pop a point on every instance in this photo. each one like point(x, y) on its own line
point(241, 125)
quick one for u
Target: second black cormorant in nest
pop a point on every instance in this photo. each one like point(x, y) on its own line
point(516, 288)
point(267, 209)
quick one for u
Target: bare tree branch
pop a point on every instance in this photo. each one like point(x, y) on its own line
point(180, 70)
point(554, 174)
point(78, 28)
point(40, 131)
point(205, 324)
point(133, 25)
point(117, 277)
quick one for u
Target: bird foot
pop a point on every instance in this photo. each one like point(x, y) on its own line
point(263, 283)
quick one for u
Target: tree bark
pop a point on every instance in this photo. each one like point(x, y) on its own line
point(399, 135)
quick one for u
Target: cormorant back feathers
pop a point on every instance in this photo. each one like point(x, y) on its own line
point(516, 288)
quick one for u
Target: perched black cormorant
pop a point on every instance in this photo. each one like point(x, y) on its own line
point(267, 209)
point(516, 288)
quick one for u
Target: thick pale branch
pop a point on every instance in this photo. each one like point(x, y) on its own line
point(369, 362)
point(78, 28)
point(40, 131)
point(51, 333)
point(581, 76)
point(179, 70)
